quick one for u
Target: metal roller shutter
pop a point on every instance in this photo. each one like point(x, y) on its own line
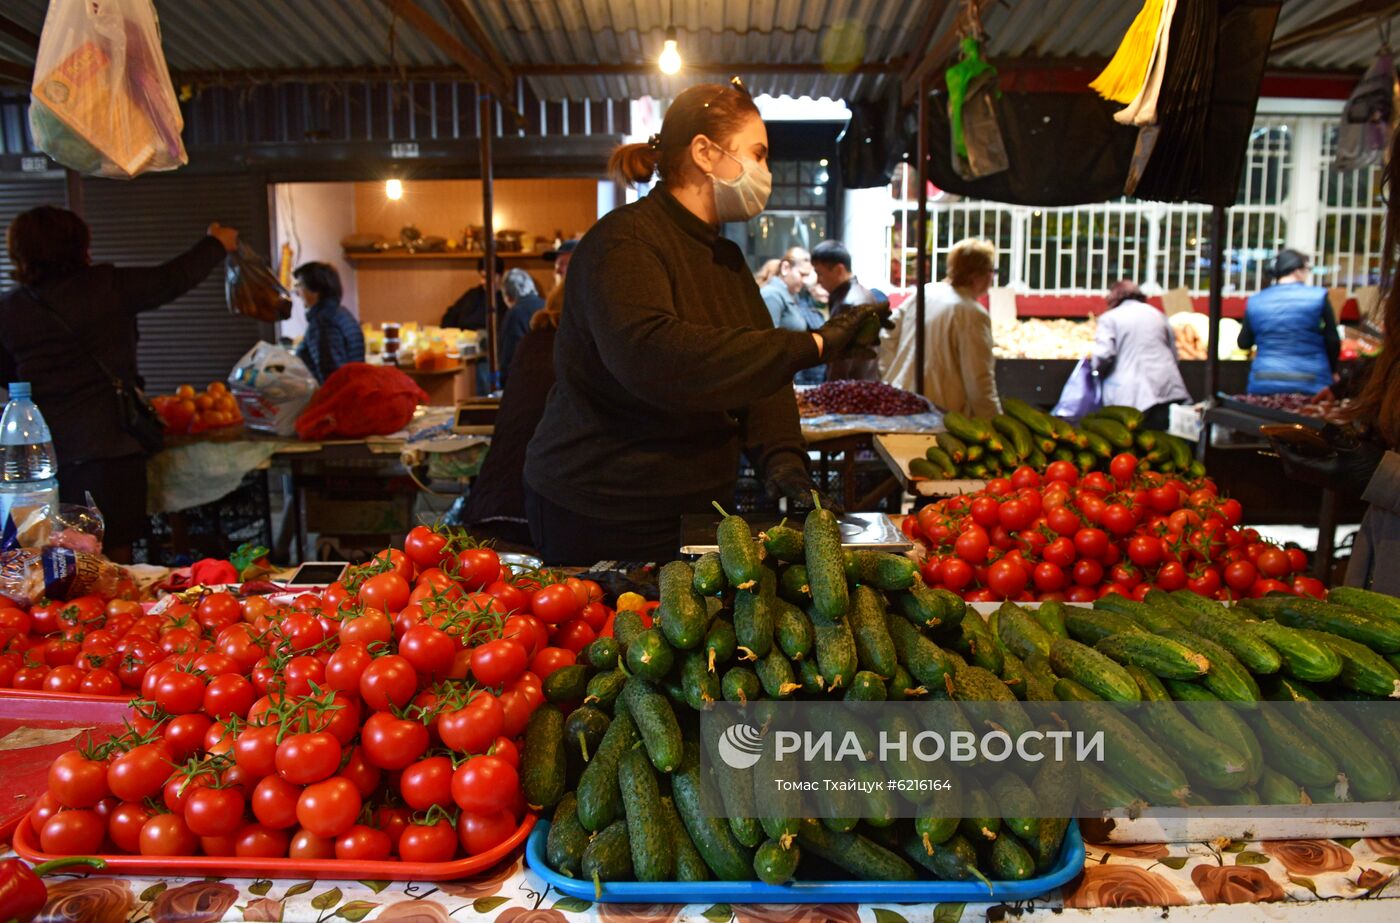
point(195, 339)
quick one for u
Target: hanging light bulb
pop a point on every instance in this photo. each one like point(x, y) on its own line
point(670, 60)
point(394, 189)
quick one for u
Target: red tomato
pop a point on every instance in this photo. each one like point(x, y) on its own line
point(426, 783)
point(1231, 511)
point(140, 772)
point(168, 835)
point(214, 811)
point(360, 772)
point(1264, 586)
point(76, 781)
point(498, 662)
point(575, 635)
point(985, 512)
point(430, 651)
point(424, 547)
point(1024, 476)
point(1309, 586)
point(73, 833)
point(371, 626)
point(219, 610)
point(306, 758)
point(1164, 499)
point(972, 545)
point(255, 751)
point(1016, 514)
point(506, 749)
point(1118, 519)
point(307, 845)
point(1205, 582)
point(550, 659)
point(472, 728)
point(1091, 543)
point(478, 567)
point(957, 574)
point(555, 603)
point(1087, 573)
point(435, 842)
point(64, 678)
point(393, 743)
point(1049, 577)
point(125, 822)
point(1006, 578)
point(1062, 471)
point(1240, 575)
point(999, 487)
point(1122, 467)
point(1171, 576)
point(274, 802)
point(1145, 550)
point(387, 592)
point(595, 615)
point(256, 841)
point(362, 843)
point(482, 832)
point(509, 598)
point(485, 785)
point(1297, 560)
point(1063, 520)
point(1273, 562)
point(329, 808)
point(388, 681)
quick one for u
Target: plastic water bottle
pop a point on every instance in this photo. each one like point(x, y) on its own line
point(28, 466)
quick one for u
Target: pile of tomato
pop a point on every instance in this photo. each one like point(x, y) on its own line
point(1058, 535)
point(377, 719)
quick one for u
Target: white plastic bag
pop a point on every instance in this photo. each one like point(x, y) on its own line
point(272, 387)
point(102, 102)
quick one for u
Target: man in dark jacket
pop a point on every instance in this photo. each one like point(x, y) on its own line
point(832, 263)
point(469, 313)
point(524, 300)
point(333, 336)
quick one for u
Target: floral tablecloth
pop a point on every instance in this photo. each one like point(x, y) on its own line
point(1284, 872)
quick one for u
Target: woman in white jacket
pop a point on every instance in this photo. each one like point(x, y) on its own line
point(959, 369)
point(1135, 356)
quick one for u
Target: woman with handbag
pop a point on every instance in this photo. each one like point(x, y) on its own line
point(69, 330)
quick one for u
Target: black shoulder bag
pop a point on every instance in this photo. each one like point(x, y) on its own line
point(139, 419)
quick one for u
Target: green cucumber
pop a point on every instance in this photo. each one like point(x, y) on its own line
point(738, 552)
point(970, 430)
point(1206, 759)
point(986, 700)
point(656, 723)
point(885, 571)
point(708, 579)
point(1034, 420)
point(608, 856)
point(1237, 637)
point(604, 688)
point(869, 626)
point(1362, 668)
point(1275, 788)
point(809, 675)
point(1114, 432)
point(690, 865)
point(1227, 677)
point(653, 851)
point(742, 685)
point(1092, 669)
point(1098, 447)
point(1151, 618)
point(775, 673)
point(1020, 631)
point(783, 542)
point(648, 656)
point(602, 653)
point(903, 687)
point(952, 446)
point(952, 860)
point(1100, 791)
point(1302, 657)
point(923, 468)
point(1161, 656)
point(774, 864)
point(1133, 758)
point(924, 660)
point(1068, 690)
point(1130, 417)
point(1290, 751)
point(1050, 615)
point(698, 804)
point(1089, 626)
point(627, 625)
point(1376, 605)
point(792, 585)
point(1017, 805)
point(682, 613)
point(721, 644)
point(954, 606)
point(792, 630)
point(1370, 776)
point(567, 684)
point(922, 606)
point(1010, 861)
point(599, 800)
point(753, 623)
point(1381, 636)
point(1014, 675)
point(1221, 721)
point(1018, 437)
point(826, 564)
point(866, 687)
point(863, 858)
point(938, 461)
point(981, 822)
point(981, 647)
point(583, 732)
point(699, 686)
point(567, 838)
point(835, 645)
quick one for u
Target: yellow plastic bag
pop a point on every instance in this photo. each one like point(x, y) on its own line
point(1125, 74)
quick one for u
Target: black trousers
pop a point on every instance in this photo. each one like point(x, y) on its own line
point(117, 486)
point(563, 537)
point(1158, 416)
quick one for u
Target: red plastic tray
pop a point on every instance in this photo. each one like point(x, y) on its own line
point(24, 769)
point(26, 844)
point(122, 700)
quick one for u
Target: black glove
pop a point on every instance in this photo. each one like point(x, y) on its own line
point(839, 333)
point(1347, 469)
point(793, 482)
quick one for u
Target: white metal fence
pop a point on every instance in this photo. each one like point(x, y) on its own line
point(1286, 188)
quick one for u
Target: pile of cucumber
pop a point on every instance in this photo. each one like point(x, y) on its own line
point(791, 615)
point(980, 449)
point(1185, 648)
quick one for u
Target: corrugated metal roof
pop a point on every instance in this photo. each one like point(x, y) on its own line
point(279, 35)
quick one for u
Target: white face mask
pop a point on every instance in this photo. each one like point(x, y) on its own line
point(744, 196)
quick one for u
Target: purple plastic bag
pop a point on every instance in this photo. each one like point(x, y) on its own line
point(1082, 394)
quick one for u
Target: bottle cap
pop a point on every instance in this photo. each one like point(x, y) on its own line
point(19, 389)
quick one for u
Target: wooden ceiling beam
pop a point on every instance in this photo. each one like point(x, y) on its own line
point(1350, 17)
point(19, 33)
point(472, 26)
point(936, 11)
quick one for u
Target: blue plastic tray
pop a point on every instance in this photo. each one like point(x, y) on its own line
point(1071, 863)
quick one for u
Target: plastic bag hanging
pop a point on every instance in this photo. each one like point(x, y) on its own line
point(252, 290)
point(1364, 133)
point(960, 78)
point(102, 102)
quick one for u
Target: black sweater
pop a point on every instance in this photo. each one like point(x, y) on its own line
point(667, 364)
point(100, 303)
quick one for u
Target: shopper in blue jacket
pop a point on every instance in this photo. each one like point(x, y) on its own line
point(1294, 331)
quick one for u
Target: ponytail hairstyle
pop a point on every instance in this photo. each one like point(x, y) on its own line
point(714, 110)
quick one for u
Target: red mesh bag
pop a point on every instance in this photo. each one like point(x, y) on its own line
point(360, 400)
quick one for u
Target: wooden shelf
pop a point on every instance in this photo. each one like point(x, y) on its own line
point(457, 255)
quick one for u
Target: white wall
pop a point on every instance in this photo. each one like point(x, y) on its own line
point(867, 215)
point(312, 218)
